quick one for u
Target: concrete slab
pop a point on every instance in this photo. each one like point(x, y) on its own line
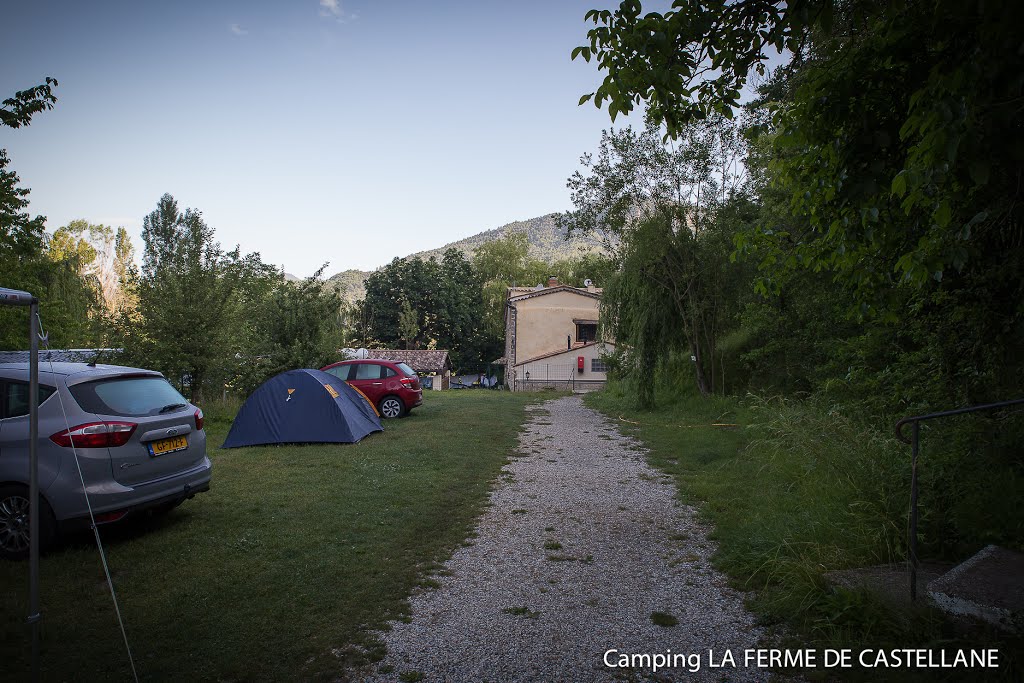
point(888, 581)
point(989, 586)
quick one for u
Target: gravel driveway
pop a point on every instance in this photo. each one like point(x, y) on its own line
point(582, 547)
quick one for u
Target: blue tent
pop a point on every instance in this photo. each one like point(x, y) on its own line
point(303, 406)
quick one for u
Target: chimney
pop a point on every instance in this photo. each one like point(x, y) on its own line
point(552, 281)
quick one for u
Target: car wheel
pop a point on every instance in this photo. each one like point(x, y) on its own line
point(391, 406)
point(14, 523)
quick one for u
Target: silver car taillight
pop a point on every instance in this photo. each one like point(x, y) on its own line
point(95, 435)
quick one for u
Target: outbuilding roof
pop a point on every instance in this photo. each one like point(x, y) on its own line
point(429, 360)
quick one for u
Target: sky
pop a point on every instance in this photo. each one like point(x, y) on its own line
point(310, 131)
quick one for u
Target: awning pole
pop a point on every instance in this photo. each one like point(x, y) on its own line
point(14, 297)
point(33, 482)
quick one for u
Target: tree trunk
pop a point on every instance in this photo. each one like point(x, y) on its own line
point(196, 388)
point(698, 367)
point(694, 334)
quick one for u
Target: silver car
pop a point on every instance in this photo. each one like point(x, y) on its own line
point(140, 446)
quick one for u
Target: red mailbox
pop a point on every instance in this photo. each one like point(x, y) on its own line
point(580, 364)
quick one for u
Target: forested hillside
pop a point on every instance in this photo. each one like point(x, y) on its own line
point(546, 241)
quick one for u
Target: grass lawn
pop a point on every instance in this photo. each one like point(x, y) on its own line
point(284, 567)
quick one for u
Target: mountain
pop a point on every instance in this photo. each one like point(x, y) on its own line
point(349, 284)
point(547, 242)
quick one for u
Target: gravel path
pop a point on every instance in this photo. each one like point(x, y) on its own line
point(583, 542)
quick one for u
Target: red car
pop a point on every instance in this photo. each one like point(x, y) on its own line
point(393, 387)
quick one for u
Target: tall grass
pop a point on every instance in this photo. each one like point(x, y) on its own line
point(793, 490)
point(818, 492)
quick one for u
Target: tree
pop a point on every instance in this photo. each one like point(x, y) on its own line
point(502, 263)
point(665, 203)
point(183, 296)
point(460, 324)
point(408, 327)
point(124, 271)
point(18, 111)
point(279, 325)
point(507, 260)
point(898, 137)
point(440, 301)
point(94, 250)
point(21, 236)
point(593, 266)
point(66, 303)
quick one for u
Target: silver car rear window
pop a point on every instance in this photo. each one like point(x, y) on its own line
point(129, 396)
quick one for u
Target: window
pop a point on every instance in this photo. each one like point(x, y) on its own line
point(15, 398)
point(586, 332)
point(388, 372)
point(407, 369)
point(341, 372)
point(129, 396)
point(597, 365)
point(367, 371)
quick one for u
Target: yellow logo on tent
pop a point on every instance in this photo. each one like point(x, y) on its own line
point(290, 392)
point(332, 391)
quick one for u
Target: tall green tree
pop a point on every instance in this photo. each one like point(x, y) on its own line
point(279, 325)
point(898, 139)
point(94, 248)
point(506, 262)
point(441, 301)
point(183, 297)
point(123, 267)
point(21, 237)
point(502, 263)
point(67, 306)
point(576, 270)
point(507, 259)
point(666, 204)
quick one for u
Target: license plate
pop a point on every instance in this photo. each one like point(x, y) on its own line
point(178, 443)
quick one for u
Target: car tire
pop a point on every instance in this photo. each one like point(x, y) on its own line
point(391, 407)
point(14, 521)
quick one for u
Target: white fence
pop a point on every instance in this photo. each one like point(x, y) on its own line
point(561, 376)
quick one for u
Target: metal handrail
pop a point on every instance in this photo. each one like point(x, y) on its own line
point(914, 442)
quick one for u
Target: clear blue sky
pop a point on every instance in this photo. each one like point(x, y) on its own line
point(307, 130)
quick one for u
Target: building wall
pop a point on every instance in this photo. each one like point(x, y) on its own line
point(560, 371)
point(543, 322)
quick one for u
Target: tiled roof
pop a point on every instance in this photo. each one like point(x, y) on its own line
point(60, 355)
point(419, 360)
point(520, 293)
